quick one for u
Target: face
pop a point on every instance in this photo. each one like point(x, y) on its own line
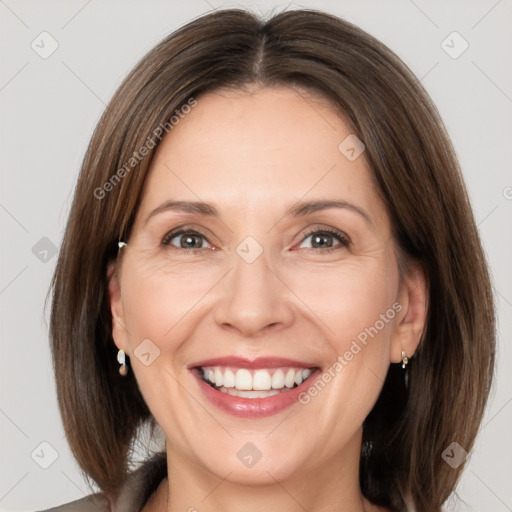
point(292, 313)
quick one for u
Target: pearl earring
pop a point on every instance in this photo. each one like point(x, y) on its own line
point(405, 359)
point(121, 359)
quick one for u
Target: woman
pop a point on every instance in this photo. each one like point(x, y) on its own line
point(272, 258)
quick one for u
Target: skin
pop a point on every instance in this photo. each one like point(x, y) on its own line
point(252, 154)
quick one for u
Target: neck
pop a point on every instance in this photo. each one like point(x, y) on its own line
point(332, 485)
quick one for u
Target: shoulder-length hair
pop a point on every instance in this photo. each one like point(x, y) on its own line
point(418, 176)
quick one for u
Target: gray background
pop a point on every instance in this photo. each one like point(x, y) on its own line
point(50, 107)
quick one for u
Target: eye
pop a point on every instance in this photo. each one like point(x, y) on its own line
point(185, 239)
point(191, 241)
point(325, 239)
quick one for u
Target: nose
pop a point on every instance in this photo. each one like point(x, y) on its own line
point(253, 299)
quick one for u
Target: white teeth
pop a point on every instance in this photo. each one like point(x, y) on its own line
point(263, 381)
point(243, 379)
point(249, 394)
point(289, 380)
point(218, 377)
point(229, 379)
point(278, 379)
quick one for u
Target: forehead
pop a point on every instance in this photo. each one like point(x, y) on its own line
point(257, 150)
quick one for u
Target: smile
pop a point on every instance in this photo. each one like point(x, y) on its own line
point(261, 383)
point(253, 388)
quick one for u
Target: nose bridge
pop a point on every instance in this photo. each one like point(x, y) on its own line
point(252, 296)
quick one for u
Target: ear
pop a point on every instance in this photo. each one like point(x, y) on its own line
point(410, 322)
point(119, 332)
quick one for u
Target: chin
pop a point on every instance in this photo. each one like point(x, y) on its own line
point(255, 463)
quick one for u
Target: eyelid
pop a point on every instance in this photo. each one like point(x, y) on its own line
point(343, 238)
point(189, 228)
point(166, 240)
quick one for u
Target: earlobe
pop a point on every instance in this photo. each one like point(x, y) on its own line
point(116, 306)
point(411, 321)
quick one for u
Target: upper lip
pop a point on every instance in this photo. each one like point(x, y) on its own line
point(259, 362)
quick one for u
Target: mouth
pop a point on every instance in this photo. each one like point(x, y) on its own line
point(251, 384)
point(253, 389)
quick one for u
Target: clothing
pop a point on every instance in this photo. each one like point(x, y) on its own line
point(134, 494)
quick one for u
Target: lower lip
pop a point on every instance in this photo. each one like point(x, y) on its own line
point(254, 407)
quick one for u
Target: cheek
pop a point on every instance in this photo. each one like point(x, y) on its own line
point(157, 303)
point(356, 306)
point(352, 302)
point(356, 309)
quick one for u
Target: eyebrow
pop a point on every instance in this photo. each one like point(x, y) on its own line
point(299, 209)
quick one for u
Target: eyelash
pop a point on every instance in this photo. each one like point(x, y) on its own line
point(342, 238)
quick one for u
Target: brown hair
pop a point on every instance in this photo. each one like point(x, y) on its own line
point(418, 175)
